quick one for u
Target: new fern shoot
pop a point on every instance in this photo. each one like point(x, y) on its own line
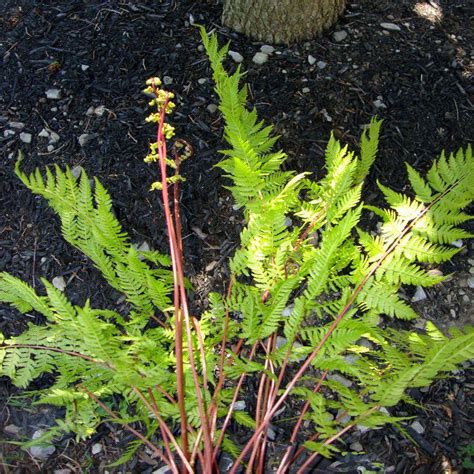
point(307, 315)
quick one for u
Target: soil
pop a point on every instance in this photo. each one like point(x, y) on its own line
point(98, 54)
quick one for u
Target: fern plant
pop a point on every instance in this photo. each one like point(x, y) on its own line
point(306, 317)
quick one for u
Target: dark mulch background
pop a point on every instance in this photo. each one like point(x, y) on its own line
point(99, 53)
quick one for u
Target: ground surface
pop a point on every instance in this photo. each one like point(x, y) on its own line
point(98, 54)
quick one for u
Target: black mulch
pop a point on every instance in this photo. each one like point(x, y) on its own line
point(98, 55)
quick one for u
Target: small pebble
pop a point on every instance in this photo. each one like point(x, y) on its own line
point(44, 133)
point(237, 57)
point(50, 148)
point(86, 138)
point(470, 282)
point(25, 137)
point(457, 243)
point(59, 283)
point(267, 49)
point(99, 111)
point(339, 35)
point(271, 433)
point(305, 90)
point(418, 427)
point(378, 104)
point(287, 311)
point(202, 80)
point(212, 108)
point(311, 59)
point(343, 419)
point(17, 125)
point(357, 447)
point(341, 379)
point(167, 80)
point(84, 67)
point(260, 58)
point(321, 64)
point(41, 452)
point(144, 247)
point(390, 26)
point(96, 448)
point(419, 295)
point(53, 137)
point(162, 470)
point(239, 405)
point(8, 133)
point(76, 171)
point(53, 94)
point(11, 429)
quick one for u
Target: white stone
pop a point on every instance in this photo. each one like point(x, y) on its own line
point(357, 447)
point(470, 282)
point(99, 110)
point(50, 147)
point(62, 471)
point(326, 116)
point(378, 104)
point(162, 470)
point(44, 133)
point(260, 58)
point(212, 108)
point(305, 90)
point(59, 282)
point(343, 418)
point(41, 452)
point(144, 247)
point(202, 80)
point(457, 243)
point(86, 138)
point(17, 125)
point(321, 64)
point(339, 35)
point(286, 313)
point(96, 448)
point(311, 59)
point(390, 26)
point(267, 49)
point(76, 171)
point(25, 137)
point(237, 57)
point(11, 429)
point(239, 405)
point(85, 67)
point(53, 137)
point(419, 295)
point(167, 80)
point(8, 133)
point(418, 427)
point(53, 94)
point(339, 378)
point(271, 434)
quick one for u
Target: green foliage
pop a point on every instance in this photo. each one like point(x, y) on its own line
point(307, 277)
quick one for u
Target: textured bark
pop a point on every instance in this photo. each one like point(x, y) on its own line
point(281, 21)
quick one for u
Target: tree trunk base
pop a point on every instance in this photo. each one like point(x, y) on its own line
point(281, 21)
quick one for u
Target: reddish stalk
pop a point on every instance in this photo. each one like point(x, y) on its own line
point(181, 307)
point(154, 409)
point(136, 433)
point(286, 461)
point(161, 148)
point(231, 407)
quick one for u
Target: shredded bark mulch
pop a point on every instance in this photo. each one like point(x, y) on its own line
point(71, 82)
